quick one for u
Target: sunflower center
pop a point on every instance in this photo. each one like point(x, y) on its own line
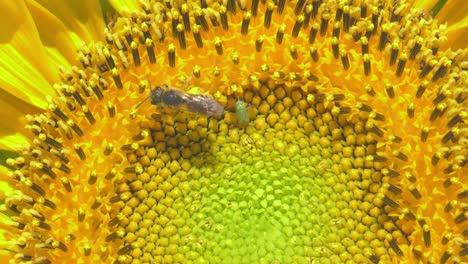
point(282, 186)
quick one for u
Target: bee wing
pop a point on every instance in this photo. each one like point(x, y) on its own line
point(204, 104)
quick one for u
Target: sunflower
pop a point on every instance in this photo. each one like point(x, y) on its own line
point(342, 136)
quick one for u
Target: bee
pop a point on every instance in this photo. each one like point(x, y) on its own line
point(171, 97)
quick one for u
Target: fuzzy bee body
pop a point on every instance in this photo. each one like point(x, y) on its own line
point(196, 103)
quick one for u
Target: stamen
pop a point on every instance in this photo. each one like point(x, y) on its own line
point(268, 15)
point(186, 17)
point(448, 136)
point(280, 7)
point(390, 202)
point(344, 59)
point(363, 10)
point(116, 77)
point(314, 54)
point(280, 34)
point(346, 18)
point(421, 89)
point(79, 151)
point(96, 90)
point(181, 36)
point(375, 20)
point(259, 43)
point(293, 52)
point(315, 7)
point(401, 64)
point(245, 23)
point(394, 189)
point(461, 217)
point(66, 184)
point(313, 33)
point(416, 48)
point(428, 66)
point(424, 134)
point(128, 248)
point(197, 36)
point(171, 55)
point(92, 177)
point(447, 254)
point(415, 192)
point(218, 45)
point(395, 51)
point(254, 7)
point(89, 115)
point(111, 174)
point(150, 50)
point(111, 109)
point(455, 120)
point(336, 30)
point(224, 18)
point(410, 110)
point(307, 15)
point(339, 11)
point(335, 48)
point(109, 59)
point(442, 70)
point(389, 89)
point(297, 26)
point(367, 65)
point(394, 245)
point(324, 23)
point(463, 195)
point(200, 18)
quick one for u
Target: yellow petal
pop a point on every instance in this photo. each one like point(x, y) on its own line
point(454, 13)
point(24, 68)
point(125, 7)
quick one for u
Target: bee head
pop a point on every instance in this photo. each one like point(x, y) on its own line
point(156, 95)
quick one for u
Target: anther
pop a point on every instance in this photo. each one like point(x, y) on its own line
point(463, 195)
point(440, 97)
point(97, 202)
point(438, 111)
point(96, 90)
point(111, 174)
point(297, 26)
point(313, 32)
point(367, 64)
point(461, 217)
point(400, 155)
point(415, 192)
point(324, 23)
point(416, 48)
point(185, 16)
point(92, 177)
point(448, 182)
point(390, 202)
point(35, 187)
point(171, 55)
point(128, 248)
point(150, 50)
point(63, 167)
point(363, 10)
point(259, 43)
point(447, 254)
point(410, 110)
point(79, 151)
point(336, 29)
point(346, 19)
point(369, 90)
point(254, 7)
point(421, 89)
point(280, 34)
point(370, 31)
point(389, 89)
point(390, 172)
point(394, 52)
point(364, 45)
point(116, 77)
point(427, 235)
point(58, 112)
point(50, 141)
point(111, 237)
point(268, 14)
point(344, 59)
point(442, 70)
point(87, 250)
point(424, 134)
point(66, 184)
point(115, 199)
point(456, 119)
point(401, 64)
point(245, 23)
point(200, 19)
point(307, 15)
point(394, 189)
point(224, 18)
point(109, 59)
point(448, 136)
point(428, 66)
point(196, 71)
point(218, 45)
point(111, 109)
point(108, 149)
point(314, 54)
point(394, 245)
point(374, 259)
point(89, 115)
point(335, 48)
point(181, 36)
point(339, 11)
point(293, 51)
point(280, 6)
point(383, 37)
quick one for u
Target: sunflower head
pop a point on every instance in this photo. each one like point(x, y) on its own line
point(248, 132)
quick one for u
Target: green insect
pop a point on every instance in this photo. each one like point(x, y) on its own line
point(242, 112)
